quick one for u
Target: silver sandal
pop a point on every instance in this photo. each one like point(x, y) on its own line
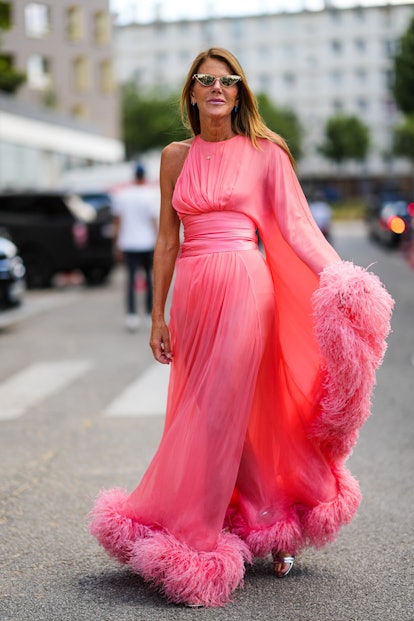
point(280, 560)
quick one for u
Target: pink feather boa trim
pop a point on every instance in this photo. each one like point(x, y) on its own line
point(181, 573)
point(352, 312)
point(304, 526)
point(115, 532)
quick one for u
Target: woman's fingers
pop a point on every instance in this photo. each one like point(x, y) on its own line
point(160, 344)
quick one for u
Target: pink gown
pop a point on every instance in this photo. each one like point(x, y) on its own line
point(274, 364)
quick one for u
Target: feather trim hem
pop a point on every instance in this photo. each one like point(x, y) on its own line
point(303, 526)
point(184, 575)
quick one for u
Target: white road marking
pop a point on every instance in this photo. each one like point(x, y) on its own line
point(37, 382)
point(147, 396)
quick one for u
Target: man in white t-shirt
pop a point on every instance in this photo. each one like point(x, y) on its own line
point(136, 210)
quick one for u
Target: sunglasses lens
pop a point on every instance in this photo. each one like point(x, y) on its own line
point(208, 80)
point(229, 80)
point(205, 79)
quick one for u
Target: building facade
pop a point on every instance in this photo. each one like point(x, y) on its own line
point(316, 63)
point(67, 111)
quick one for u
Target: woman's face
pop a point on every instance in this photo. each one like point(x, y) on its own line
point(215, 101)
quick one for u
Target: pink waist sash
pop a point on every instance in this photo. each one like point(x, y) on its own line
point(217, 231)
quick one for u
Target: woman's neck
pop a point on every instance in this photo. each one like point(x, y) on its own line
point(216, 133)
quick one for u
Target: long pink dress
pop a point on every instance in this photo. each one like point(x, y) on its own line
point(274, 364)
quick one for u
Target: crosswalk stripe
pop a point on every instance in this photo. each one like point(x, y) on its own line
point(147, 396)
point(37, 382)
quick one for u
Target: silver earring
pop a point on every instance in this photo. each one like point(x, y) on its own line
point(194, 103)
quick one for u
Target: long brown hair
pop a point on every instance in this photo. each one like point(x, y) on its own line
point(247, 121)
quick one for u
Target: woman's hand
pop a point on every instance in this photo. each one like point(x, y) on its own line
point(160, 342)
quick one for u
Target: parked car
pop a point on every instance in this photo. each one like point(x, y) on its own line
point(388, 222)
point(59, 232)
point(12, 274)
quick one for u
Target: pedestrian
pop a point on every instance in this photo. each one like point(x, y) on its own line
point(136, 209)
point(322, 213)
point(272, 360)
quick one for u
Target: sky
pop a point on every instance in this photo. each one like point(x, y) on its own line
point(146, 10)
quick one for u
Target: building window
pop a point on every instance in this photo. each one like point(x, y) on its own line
point(81, 74)
point(5, 15)
point(209, 30)
point(359, 13)
point(236, 27)
point(80, 111)
point(388, 78)
point(37, 18)
point(336, 76)
point(361, 75)
point(289, 50)
point(183, 26)
point(336, 47)
point(39, 72)
point(161, 60)
point(75, 26)
point(337, 106)
point(106, 77)
point(390, 48)
point(389, 109)
point(360, 45)
point(264, 83)
point(362, 105)
point(102, 26)
point(289, 79)
point(335, 15)
point(184, 57)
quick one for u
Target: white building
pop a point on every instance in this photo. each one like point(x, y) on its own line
point(316, 63)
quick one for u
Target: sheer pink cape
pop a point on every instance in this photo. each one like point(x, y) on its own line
point(274, 365)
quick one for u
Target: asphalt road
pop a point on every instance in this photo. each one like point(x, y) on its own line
point(67, 370)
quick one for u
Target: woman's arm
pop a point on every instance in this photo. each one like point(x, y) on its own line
point(294, 217)
point(166, 248)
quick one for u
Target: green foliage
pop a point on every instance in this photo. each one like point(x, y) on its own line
point(5, 15)
point(283, 122)
point(403, 139)
point(10, 79)
point(403, 86)
point(149, 121)
point(346, 138)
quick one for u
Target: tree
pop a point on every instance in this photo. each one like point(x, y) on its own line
point(149, 121)
point(403, 88)
point(10, 78)
point(346, 138)
point(282, 121)
point(404, 138)
point(403, 85)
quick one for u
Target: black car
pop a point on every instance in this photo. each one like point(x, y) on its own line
point(389, 222)
point(12, 275)
point(60, 232)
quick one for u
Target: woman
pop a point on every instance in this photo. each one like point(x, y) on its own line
point(272, 360)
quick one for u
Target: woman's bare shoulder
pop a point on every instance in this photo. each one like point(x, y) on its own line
point(177, 149)
point(173, 157)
